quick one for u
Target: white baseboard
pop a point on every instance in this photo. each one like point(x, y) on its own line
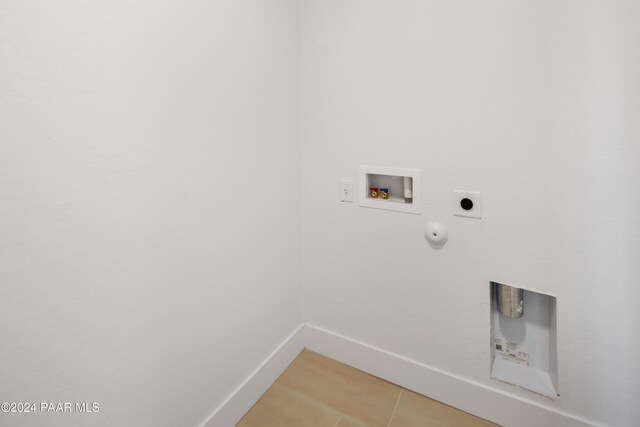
point(233, 408)
point(475, 398)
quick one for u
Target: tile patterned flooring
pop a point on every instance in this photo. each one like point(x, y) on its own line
point(315, 391)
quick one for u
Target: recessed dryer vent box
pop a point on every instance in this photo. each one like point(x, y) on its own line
point(523, 339)
point(403, 187)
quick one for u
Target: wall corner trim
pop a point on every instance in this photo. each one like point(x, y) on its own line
point(233, 408)
point(470, 396)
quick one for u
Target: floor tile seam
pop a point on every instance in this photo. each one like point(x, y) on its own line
point(395, 408)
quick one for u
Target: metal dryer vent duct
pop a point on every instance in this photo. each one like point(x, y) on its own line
point(510, 300)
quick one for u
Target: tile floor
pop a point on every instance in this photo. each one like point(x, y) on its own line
point(316, 391)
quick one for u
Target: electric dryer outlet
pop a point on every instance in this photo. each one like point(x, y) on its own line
point(467, 204)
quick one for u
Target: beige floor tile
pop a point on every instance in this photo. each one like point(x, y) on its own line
point(282, 407)
point(415, 410)
point(354, 393)
point(349, 422)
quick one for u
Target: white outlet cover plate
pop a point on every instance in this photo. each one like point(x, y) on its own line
point(346, 190)
point(474, 196)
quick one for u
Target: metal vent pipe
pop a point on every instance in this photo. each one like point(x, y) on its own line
point(510, 300)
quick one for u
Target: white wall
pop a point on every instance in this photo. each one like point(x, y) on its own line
point(536, 105)
point(148, 153)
